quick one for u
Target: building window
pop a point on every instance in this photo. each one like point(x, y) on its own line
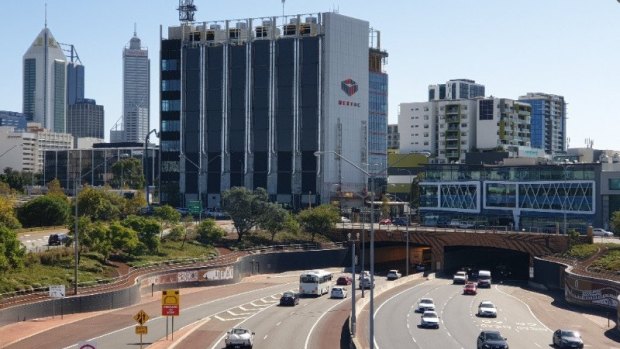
point(614, 183)
point(171, 146)
point(170, 125)
point(169, 64)
point(169, 166)
point(170, 105)
point(171, 85)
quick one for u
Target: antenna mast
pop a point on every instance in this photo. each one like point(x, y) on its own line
point(186, 11)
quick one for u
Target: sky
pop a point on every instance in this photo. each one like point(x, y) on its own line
point(564, 47)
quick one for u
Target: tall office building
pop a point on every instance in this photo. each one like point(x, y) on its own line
point(548, 121)
point(455, 89)
point(249, 102)
point(85, 119)
point(136, 94)
point(393, 137)
point(45, 83)
point(378, 110)
point(75, 76)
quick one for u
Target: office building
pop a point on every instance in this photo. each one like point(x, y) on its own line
point(393, 137)
point(13, 119)
point(249, 103)
point(45, 83)
point(548, 121)
point(455, 89)
point(136, 93)
point(502, 124)
point(378, 111)
point(85, 119)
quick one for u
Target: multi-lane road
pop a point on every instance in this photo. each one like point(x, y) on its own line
point(207, 313)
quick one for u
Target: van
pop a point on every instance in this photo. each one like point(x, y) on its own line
point(366, 283)
point(484, 278)
point(57, 239)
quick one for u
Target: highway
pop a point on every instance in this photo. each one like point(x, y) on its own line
point(36, 241)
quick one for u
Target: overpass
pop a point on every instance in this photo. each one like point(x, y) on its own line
point(509, 254)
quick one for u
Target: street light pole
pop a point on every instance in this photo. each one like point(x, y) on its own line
point(75, 238)
point(353, 315)
point(145, 161)
point(371, 337)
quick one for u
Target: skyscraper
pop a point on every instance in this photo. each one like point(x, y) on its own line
point(548, 121)
point(378, 111)
point(45, 83)
point(260, 97)
point(136, 94)
point(85, 119)
point(455, 89)
point(75, 76)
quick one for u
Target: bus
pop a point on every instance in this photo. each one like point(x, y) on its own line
point(315, 282)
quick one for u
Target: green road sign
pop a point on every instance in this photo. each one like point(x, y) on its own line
point(195, 207)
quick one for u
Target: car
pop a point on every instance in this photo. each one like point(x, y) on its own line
point(366, 283)
point(491, 339)
point(484, 278)
point(364, 274)
point(393, 274)
point(487, 309)
point(460, 277)
point(429, 319)
point(567, 339)
point(470, 288)
point(602, 232)
point(239, 338)
point(385, 221)
point(57, 239)
point(344, 220)
point(344, 280)
point(183, 211)
point(425, 304)
point(400, 221)
point(420, 267)
point(338, 292)
point(456, 223)
point(289, 298)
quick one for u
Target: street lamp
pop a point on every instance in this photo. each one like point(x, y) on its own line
point(145, 161)
point(353, 316)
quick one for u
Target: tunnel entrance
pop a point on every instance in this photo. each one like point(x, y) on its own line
point(504, 264)
point(393, 256)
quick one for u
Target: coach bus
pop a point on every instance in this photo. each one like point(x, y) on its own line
point(315, 282)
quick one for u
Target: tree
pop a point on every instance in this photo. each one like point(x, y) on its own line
point(167, 214)
point(128, 173)
point(245, 207)
point(148, 230)
point(99, 204)
point(54, 188)
point(133, 203)
point(17, 179)
point(5, 189)
point(414, 197)
point(124, 239)
point(209, 232)
point(45, 211)
point(319, 219)
point(274, 219)
point(12, 252)
point(615, 221)
point(7, 213)
point(385, 207)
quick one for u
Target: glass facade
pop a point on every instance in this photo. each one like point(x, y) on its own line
point(377, 118)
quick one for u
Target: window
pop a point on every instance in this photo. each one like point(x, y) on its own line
point(425, 117)
point(170, 125)
point(169, 64)
point(426, 126)
point(169, 166)
point(171, 85)
point(614, 183)
point(170, 146)
point(170, 105)
point(425, 134)
point(425, 143)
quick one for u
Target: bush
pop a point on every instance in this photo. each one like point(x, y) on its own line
point(209, 233)
point(45, 211)
point(582, 251)
point(176, 233)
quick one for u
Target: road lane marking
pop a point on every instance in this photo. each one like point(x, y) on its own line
point(527, 306)
point(265, 336)
point(318, 320)
point(185, 335)
point(278, 324)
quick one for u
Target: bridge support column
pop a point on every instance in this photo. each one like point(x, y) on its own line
point(437, 259)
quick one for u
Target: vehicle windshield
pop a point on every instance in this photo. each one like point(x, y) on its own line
point(486, 305)
point(426, 300)
point(239, 331)
point(494, 336)
point(288, 294)
point(570, 334)
point(432, 315)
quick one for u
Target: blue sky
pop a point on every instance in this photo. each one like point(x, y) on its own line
point(565, 47)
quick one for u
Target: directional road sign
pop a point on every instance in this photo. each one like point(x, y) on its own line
point(142, 330)
point(170, 302)
point(141, 317)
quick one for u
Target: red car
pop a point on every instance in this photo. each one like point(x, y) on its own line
point(385, 221)
point(344, 280)
point(470, 288)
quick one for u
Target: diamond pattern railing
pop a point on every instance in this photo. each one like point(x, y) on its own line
point(459, 196)
point(571, 196)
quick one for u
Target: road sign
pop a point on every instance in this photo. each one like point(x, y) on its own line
point(141, 317)
point(57, 291)
point(194, 207)
point(87, 345)
point(170, 302)
point(142, 330)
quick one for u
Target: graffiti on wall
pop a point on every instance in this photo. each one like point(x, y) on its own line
point(586, 291)
point(226, 273)
point(187, 276)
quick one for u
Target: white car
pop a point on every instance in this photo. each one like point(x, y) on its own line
point(239, 338)
point(344, 220)
point(364, 274)
point(601, 232)
point(425, 304)
point(366, 283)
point(393, 274)
point(487, 309)
point(338, 292)
point(429, 319)
point(460, 277)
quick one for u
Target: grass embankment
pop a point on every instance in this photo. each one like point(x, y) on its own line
point(56, 266)
point(610, 260)
point(581, 251)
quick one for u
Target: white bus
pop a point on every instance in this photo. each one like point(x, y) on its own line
point(315, 282)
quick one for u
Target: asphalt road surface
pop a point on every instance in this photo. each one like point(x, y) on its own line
point(36, 241)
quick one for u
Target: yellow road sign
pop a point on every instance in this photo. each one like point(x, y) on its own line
point(141, 317)
point(142, 330)
point(170, 297)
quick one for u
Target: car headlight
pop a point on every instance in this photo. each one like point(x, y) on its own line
point(486, 346)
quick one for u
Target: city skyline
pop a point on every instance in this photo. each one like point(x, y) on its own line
point(565, 48)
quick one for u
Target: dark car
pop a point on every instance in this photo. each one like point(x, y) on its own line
point(344, 280)
point(400, 221)
point(57, 239)
point(289, 298)
point(491, 340)
point(567, 339)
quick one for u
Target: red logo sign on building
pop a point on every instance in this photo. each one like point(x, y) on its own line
point(349, 86)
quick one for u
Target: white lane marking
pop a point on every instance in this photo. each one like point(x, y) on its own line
point(318, 320)
point(279, 323)
point(526, 305)
point(26, 235)
point(265, 336)
point(189, 308)
point(185, 335)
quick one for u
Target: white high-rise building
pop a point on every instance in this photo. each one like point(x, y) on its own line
point(455, 89)
point(45, 83)
point(136, 94)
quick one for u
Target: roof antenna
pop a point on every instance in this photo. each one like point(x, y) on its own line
point(283, 7)
point(135, 29)
point(45, 14)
